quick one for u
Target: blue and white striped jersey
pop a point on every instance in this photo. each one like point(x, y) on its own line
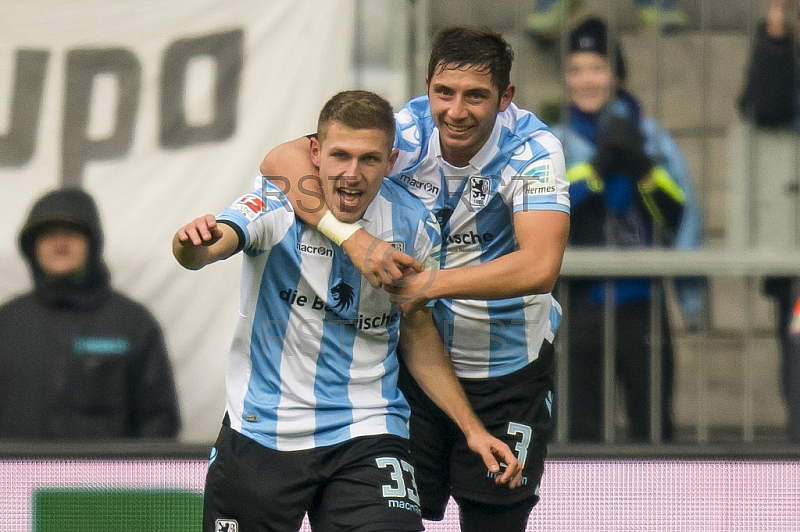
point(313, 360)
point(521, 167)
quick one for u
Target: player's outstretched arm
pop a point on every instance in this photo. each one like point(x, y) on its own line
point(290, 167)
point(203, 241)
point(424, 354)
point(531, 269)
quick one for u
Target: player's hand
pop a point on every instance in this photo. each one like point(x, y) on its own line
point(410, 294)
point(378, 261)
point(498, 458)
point(202, 231)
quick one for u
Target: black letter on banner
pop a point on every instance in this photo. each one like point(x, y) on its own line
point(17, 146)
point(82, 67)
point(224, 48)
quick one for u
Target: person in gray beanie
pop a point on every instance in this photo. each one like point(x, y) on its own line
point(80, 360)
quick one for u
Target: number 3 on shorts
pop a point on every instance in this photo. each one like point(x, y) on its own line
point(399, 490)
point(522, 446)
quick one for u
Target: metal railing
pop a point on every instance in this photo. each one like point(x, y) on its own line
point(667, 265)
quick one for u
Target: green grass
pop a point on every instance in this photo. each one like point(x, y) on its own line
point(117, 510)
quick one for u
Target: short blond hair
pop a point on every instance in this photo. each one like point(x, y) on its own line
point(357, 109)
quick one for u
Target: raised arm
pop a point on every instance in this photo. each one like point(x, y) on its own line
point(289, 166)
point(424, 354)
point(203, 241)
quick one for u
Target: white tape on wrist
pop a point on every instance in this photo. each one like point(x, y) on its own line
point(337, 231)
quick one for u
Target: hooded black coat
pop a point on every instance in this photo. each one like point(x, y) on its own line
point(79, 360)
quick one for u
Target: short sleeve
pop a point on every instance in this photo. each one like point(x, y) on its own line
point(540, 181)
point(262, 216)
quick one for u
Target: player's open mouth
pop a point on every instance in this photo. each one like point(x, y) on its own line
point(348, 197)
point(457, 129)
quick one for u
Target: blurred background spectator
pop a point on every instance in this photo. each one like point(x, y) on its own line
point(769, 101)
point(80, 360)
point(629, 188)
point(770, 95)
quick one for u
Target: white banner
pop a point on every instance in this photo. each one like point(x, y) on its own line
point(162, 111)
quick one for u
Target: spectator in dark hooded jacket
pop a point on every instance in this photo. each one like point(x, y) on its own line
point(770, 101)
point(80, 360)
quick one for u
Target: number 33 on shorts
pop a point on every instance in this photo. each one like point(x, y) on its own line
point(398, 490)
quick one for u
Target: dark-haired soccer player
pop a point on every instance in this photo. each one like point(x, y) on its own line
point(494, 176)
point(314, 420)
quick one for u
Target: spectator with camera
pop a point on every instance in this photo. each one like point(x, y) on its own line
point(630, 189)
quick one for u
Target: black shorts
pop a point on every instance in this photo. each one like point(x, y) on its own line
point(365, 484)
point(516, 408)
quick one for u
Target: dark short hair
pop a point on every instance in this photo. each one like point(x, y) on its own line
point(357, 109)
point(470, 46)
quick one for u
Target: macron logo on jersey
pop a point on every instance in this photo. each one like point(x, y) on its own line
point(420, 185)
point(249, 206)
point(315, 250)
point(539, 178)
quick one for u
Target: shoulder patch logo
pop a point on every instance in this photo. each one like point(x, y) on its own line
point(479, 188)
point(249, 206)
point(539, 177)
